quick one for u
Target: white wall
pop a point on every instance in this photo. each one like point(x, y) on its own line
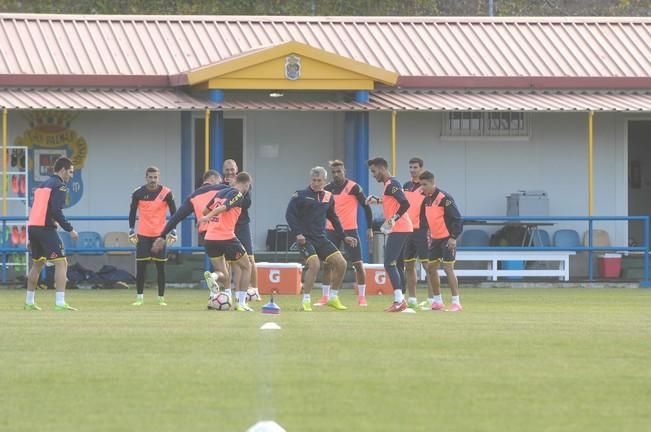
point(302, 140)
point(120, 147)
point(480, 172)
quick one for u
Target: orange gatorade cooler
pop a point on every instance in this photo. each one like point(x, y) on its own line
point(281, 278)
point(377, 280)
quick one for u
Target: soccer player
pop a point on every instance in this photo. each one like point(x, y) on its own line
point(243, 227)
point(44, 243)
point(222, 213)
point(151, 202)
point(348, 197)
point(445, 226)
point(196, 202)
point(397, 224)
point(306, 216)
point(416, 246)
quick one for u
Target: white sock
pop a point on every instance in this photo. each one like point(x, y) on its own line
point(430, 300)
point(241, 297)
point(306, 297)
point(413, 300)
point(455, 300)
point(361, 290)
point(333, 294)
point(140, 296)
point(438, 298)
point(229, 292)
point(326, 290)
point(398, 296)
point(29, 298)
point(60, 298)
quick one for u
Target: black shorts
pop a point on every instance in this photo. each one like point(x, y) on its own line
point(416, 246)
point(353, 254)
point(319, 246)
point(231, 249)
point(439, 251)
point(243, 234)
point(45, 244)
point(143, 250)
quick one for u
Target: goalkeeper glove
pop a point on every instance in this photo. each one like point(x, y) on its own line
point(171, 237)
point(133, 237)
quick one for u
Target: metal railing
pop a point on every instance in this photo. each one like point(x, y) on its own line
point(528, 222)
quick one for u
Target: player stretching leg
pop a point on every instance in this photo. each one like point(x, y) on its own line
point(445, 226)
point(397, 223)
point(44, 242)
point(222, 213)
point(243, 227)
point(151, 203)
point(348, 197)
point(306, 216)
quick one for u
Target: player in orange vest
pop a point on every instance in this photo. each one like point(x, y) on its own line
point(445, 226)
point(151, 202)
point(243, 227)
point(397, 225)
point(222, 213)
point(416, 247)
point(348, 196)
point(44, 242)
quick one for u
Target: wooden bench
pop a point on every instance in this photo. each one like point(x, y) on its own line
point(492, 258)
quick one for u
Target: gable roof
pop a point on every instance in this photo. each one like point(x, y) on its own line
point(163, 46)
point(335, 63)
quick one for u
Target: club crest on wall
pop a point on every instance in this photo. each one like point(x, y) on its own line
point(292, 67)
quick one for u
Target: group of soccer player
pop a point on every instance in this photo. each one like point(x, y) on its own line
point(421, 222)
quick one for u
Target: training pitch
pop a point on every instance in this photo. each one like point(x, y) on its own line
point(514, 360)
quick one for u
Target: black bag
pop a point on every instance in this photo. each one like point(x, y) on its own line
point(280, 239)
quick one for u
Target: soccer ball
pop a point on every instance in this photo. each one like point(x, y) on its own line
point(252, 295)
point(220, 302)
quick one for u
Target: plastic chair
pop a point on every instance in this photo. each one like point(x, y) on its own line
point(474, 237)
point(117, 239)
point(66, 240)
point(599, 238)
point(89, 240)
point(566, 238)
point(540, 238)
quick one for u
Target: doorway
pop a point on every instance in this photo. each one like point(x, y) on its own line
point(639, 175)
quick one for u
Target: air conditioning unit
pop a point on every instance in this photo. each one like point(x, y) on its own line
point(527, 203)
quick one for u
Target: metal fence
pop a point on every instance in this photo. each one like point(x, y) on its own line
point(525, 221)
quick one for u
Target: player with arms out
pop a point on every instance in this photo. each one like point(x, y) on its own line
point(397, 224)
point(222, 213)
point(44, 242)
point(445, 226)
point(151, 203)
point(306, 216)
point(348, 197)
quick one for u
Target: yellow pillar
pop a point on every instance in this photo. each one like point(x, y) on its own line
point(207, 142)
point(4, 162)
point(590, 163)
point(393, 142)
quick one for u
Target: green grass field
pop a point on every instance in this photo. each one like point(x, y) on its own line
point(514, 360)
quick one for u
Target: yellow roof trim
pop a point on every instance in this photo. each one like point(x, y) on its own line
point(267, 54)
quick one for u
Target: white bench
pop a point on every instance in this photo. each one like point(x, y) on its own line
point(492, 258)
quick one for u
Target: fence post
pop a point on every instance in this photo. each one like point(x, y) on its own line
point(590, 269)
point(4, 254)
point(645, 281)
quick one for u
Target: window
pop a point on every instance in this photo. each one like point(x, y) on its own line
point(471, 123)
